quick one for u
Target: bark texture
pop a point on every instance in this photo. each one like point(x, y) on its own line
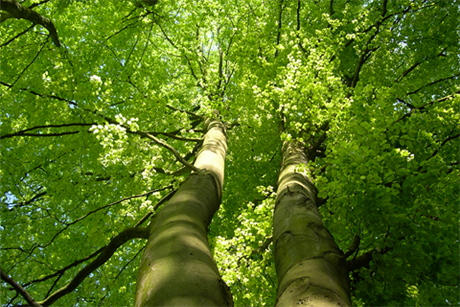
point(310, 266)
point(177, 268)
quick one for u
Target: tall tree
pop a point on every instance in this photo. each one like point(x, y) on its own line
point(99, 133)
point(311, 268)
point(177, 268)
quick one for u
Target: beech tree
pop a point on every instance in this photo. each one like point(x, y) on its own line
point(342, 168)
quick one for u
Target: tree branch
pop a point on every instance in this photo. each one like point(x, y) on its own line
point(365, 259)
point(180, 138)
point(263, 247)
point(426, 105)
point(177, 48)
point(298, 28)
point(221, 63)
point(28, 65)
point(452, 137)
point(25, 203)
point(23, 132)
point(92, 212)
point(415, 65)
point(184, 111)
point(361, 261)
point(331, 8)
point(407, 71)
point(151, 3)
point(433, 83)
point(21, 12)
point(40, 95)
point(157, 205)
point(109, 120)
point(168, 147)
point(362, 59)
point(19, 289)
point(64, 269)
point(278, 36)
point(38, 134)
point(176, 173)
point(384, 8)
point(367, 52)
point(18, 35)
point(129, 262)
point(109, 250)
point(313, 150)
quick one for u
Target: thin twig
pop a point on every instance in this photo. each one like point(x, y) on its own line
point(18, 35)
point(28, 65)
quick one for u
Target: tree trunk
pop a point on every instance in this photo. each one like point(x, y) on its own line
point(177, 268)
point(310, 266)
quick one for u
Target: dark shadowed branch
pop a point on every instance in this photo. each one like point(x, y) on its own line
point(25, 131)
point(25, 203)
point(450, 138)
point(433, 83)
point(423, 107)
point(155, 208)
point(415, 65)
point(41, 95)
point(278, 35)
point(365, 259)
point(129, 262)
point(67, 225)
point(19, 289)
point(17, 10)
point(180, 138)
point(168, 147)
point(40, 134)
point(263, 247)
point(104, 256)
point(28, 65)
point(17, 35)
point(192, 114)
point(60, 272)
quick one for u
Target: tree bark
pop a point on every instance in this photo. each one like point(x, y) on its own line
point(310, 266)
point(177, 268)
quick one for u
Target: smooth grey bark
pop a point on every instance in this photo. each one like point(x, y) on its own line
point(310, 267)
point(177, 268)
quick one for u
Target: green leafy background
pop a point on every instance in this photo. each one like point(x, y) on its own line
point(375, 82)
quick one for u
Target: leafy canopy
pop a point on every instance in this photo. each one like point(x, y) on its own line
point(370, 87)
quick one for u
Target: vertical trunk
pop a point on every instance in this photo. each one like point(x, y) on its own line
point(177, 268)
point(310, 267)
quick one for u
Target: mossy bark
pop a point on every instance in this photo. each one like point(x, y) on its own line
point(177, 268)
point(310, 266)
